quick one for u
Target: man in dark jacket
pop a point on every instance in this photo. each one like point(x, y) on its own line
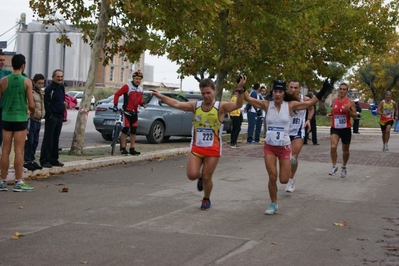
point(54, 104)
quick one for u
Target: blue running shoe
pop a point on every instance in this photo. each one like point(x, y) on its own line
point(272, 209)
point(3, 186)
point(206, 205)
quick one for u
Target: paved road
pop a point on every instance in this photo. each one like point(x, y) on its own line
point(147, 213)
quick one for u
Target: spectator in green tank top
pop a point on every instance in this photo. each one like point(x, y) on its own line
point(15, 92)
point(3, 73)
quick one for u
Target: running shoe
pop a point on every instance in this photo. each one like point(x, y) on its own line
point(273, 208)
point(124, 152)
point(200, 186)
point(334, 170)
point(235, 146)
point(290, 187)
point(3, 186)
point(343, 172)
point(206, 204)
point(386, 147)
point(22, 187)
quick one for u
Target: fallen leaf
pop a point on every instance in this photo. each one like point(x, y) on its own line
point(10, 201)
point(14, 237)
point(153, 168)
point(20, 207)
point(18, 234)
point(274, 243)
point(84, 262)
point(343, 223)
point(60, 184)
point(390, 248)
point(64, 190)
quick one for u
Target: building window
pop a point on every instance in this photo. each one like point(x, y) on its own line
point(122, 74)
point(111, 74)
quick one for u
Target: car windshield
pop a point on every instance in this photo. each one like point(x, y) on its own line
point(147, 97)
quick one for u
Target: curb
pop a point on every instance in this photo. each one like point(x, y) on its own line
point(100, 162)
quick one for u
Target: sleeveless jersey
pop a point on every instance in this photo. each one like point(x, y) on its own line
point(297, 122)
point(278, 124)
point(14, 100)
point(207, 131)
point(389, 109)
point(340, 118)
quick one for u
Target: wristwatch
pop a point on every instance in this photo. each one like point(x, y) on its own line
point(240, 91)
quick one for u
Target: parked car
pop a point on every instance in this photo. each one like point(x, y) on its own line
point(227, 125)
point(106, 100)
point(158, 122)
point(78, 95)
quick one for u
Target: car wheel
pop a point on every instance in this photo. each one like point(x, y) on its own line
point(156, 134)
point(107, 137)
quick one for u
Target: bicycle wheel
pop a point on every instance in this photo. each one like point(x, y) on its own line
point(115, 136)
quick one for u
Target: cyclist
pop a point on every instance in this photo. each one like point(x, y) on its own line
point(132, 98)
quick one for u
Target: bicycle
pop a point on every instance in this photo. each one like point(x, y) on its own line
point(116, 132)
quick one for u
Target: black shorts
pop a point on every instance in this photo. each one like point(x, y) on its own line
point(345, 134)
point(14, 126)
point(384, 127)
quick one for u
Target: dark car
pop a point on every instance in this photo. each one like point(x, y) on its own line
point(227, 125)
point(158, 122)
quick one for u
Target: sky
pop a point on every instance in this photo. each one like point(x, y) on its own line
point(164, 69)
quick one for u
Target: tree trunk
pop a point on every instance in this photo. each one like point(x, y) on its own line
point(81, 121)
point(219, 85)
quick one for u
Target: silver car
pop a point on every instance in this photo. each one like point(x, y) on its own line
point(158, 122)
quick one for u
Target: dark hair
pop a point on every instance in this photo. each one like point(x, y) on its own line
point(1, 52)
point(17, 61)
point(38, 77)
point(287, 97)
point(55, 71)
point(207, 83)
point(295, 80)
point(256, 86)
point(344, 84)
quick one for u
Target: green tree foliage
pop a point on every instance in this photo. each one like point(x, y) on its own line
point(284, 39)
point(378, 73)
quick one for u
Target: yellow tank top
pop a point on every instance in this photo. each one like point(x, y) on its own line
point(389, 110)
point(206, 131)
